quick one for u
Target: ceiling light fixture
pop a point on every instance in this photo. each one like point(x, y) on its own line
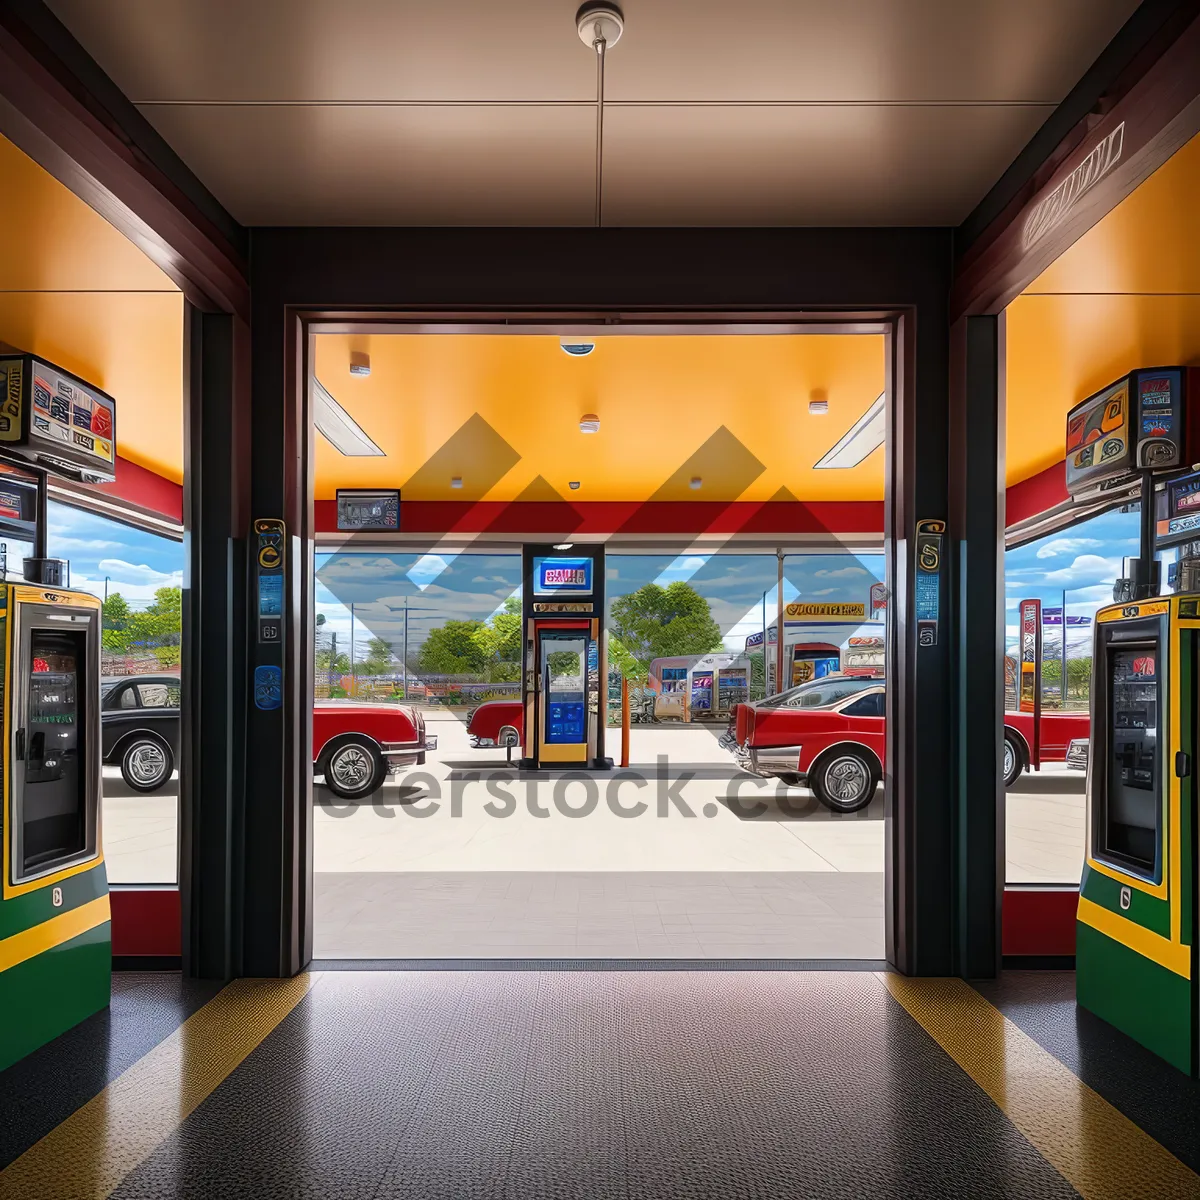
point(577, 345)
point(864, 437)
point(338, 427)
point(574, 485)
point(695, 483)
point(599, 26)
point(564, 545)
point(360, 363)
point(589, 423)
point(456, 481)
point(818, 408)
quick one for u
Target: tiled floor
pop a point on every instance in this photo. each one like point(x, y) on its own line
point(597, 1085)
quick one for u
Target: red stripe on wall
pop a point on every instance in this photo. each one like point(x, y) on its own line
point(146, 922)
point(597, 518)
point(1036, 495)
point(146, 489)
point(1039, 921)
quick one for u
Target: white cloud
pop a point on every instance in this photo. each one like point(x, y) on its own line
point(428, 567)
point(825, 591)
point(1068, 545)
point(93, 545)
point(841, 573)
point(120, 571)
point(1086, 569)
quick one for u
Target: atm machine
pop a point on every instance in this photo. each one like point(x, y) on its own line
point(55, 934)
point(1136, 920)
point(562, 614)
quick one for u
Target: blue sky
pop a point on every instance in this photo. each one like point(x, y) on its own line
point(1085, 560)
point(136, 563)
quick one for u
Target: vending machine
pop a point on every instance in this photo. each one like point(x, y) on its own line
point(55, 933)
point(1136, 920)
point(562, 616)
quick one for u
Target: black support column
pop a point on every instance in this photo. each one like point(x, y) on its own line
point(211, 768)
point(977, 485)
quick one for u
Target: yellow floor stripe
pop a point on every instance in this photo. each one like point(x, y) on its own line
point(1097, 1150)
point(88, 1155)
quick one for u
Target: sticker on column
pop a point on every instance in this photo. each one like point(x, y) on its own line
point(929, 580)
point(268, 688)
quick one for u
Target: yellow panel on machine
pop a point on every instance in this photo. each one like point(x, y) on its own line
point(55, 938)
point(1136, 925)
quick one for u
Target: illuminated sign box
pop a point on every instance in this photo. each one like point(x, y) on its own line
point(57, 421)
point(363, 511)
point(562, 576)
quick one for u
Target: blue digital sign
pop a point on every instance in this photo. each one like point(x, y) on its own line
point(562, 576)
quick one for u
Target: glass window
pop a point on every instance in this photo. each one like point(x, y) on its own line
point(820, 693)
point(866, 706)
point(158, 695)
point(138, 577)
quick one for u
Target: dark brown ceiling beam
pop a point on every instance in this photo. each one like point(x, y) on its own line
point(1148, 113)
point(49, 113)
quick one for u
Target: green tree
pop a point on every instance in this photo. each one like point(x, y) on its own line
point(379, 657)
point(657, 622)
point(115, 635)
point(619, 659)
point(325, 661)
point(454, 649)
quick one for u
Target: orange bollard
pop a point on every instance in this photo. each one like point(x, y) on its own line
point(624, 721)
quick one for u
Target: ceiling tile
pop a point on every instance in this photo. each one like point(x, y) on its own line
point(355, 165)
point(372, 50)
point(805, 165)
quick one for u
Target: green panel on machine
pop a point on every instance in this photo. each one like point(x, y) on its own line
point(55, 931)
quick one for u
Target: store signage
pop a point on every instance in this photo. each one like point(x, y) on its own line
point(57, 420)
point(804, 611)
point(565, 606)
point(928, 597)
point(553, 576)
point(879, 599)
point(363, 511)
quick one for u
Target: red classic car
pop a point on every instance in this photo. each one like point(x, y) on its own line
point(496, 723)
point(355, 745)
point(830, 735)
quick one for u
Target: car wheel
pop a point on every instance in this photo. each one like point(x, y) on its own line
point(146, 763)
point(844, 781)
point(1014, 761)
point(508, 736)
point(354, 769)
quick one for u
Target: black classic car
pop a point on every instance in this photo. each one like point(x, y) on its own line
point(139, 728)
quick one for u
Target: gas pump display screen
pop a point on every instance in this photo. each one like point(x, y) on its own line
point(562, 576)
point(1132, 803)
point(1180, 522)
point(564, 664)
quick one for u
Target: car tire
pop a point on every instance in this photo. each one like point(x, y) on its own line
point(844, 780)
point(146, 763)
point(1013, 761)
point(353, 769)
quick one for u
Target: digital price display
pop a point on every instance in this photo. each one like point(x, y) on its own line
point(1179, 519)
point(562, 576)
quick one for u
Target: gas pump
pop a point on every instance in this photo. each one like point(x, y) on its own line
point(562, 614)
point(55, 939)
point(1136, 920)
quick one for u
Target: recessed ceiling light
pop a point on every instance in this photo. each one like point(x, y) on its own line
point(360, 363)
point(695, 483)
point(818, 407)
point(564, 545)
point(456, 482)
point(589, 423)
point(574, 485)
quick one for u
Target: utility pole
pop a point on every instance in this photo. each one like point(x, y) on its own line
point(404, 661)
point(352, 680)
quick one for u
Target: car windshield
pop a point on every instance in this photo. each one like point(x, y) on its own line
point(819, 693)
point(106, 686)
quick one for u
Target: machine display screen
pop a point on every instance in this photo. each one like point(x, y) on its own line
point(1098, 438)
point(564, 658)
point(702, 689)
point(1130, 821)
point(562, 576)
point(1179, 519)
point(53, 810)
